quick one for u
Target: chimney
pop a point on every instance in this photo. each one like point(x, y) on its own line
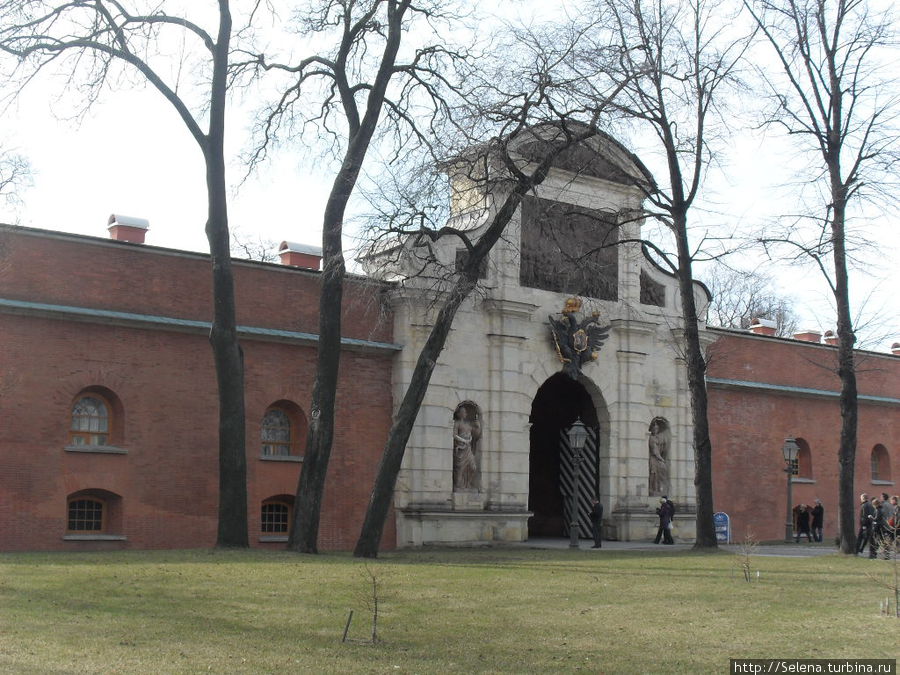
point(300, 255)
point(808, 336)
point(895, 349)
point(831, 338)
point(126, 228)
point(762, 327)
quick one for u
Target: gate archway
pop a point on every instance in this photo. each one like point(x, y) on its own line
point(560, 401)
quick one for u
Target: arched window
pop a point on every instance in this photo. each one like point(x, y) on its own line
point(282, 430)
point(881, 464)
point(90, 421)
point(804, 460)
point(96, 422)
point(276, 433)
point(86, 515)
point(275, 518)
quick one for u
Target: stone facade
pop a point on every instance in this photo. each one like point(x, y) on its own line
point(500, 353)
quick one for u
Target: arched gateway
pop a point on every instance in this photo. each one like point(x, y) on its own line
point(558, 329)
point(553, 471)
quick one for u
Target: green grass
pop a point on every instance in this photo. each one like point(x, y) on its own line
point(465, 611)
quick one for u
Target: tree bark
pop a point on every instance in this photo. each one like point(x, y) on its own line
point(847, 374)
point(232, 528)
point(695, 365)
point(308, 502)
point(311, 486)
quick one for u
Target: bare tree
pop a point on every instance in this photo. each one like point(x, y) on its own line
point(100, 43)
point(739, 296)
point(366, 77)
point(252, 247)
point(677, 60)
point(15, 173)
point(830, 95)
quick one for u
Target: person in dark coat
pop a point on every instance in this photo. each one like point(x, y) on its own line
point(803, 524)
point(665, 512)
point(866, 519)
point(818, 520)
point(877, 533)
point(596, 521)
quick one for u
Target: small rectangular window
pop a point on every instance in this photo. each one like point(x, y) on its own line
point(85, 515)
point(275, 518)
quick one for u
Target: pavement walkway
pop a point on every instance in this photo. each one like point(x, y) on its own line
point(801, 550)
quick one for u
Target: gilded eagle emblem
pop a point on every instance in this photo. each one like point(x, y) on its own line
point(577, 341)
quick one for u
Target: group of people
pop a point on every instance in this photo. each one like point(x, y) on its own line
point(879, 522)
point(809, 521)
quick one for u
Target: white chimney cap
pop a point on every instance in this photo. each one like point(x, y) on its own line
point(128, 221)
point(294, 247)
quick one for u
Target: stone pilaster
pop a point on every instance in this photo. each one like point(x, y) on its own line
point(505, 466)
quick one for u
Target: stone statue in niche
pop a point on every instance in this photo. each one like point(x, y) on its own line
point(658, 443)
point(466, 437)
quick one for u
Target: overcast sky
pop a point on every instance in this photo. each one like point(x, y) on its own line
point(131, 155)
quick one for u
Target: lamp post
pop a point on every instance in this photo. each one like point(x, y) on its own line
point(577, 437)
point(789, 450)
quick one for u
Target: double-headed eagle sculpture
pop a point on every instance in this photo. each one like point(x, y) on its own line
point(577, 342)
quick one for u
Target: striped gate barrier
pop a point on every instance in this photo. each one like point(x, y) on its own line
point(586, 483)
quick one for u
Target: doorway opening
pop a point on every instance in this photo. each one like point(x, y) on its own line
point(553, 470)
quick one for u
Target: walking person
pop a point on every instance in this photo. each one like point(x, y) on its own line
point(887, 510)
point(665, 512)
point(866, 517)
point(596, 522)
point(818, 520)
point(877, 532)
point(893, 519)
point(803, 524)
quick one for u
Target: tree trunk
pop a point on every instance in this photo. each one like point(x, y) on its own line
point(311, 486)
point(232, 529)
point(308, 503)
point(847, 373)
point(395, 448)
point(695, 365)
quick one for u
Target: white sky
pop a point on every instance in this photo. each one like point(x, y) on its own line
point(131, 155)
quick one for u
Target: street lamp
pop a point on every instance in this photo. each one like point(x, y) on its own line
point(790, 450)
point(577, 437)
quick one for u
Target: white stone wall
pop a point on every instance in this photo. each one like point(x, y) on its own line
point(497, 356)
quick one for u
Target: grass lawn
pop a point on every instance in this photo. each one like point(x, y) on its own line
point(465, 611)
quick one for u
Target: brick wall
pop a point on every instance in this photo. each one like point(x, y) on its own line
point(164, 383)
point(749, 425)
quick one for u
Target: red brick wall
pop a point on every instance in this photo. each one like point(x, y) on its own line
point(119, 276)
point(165, 383)
point(748, 428)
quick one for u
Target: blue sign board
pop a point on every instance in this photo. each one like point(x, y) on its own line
point(722, 523)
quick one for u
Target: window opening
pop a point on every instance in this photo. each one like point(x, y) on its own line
point(85, 515)
point(276, 433)
point(90, 422)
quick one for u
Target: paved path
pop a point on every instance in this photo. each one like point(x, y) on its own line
point(786, 550)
